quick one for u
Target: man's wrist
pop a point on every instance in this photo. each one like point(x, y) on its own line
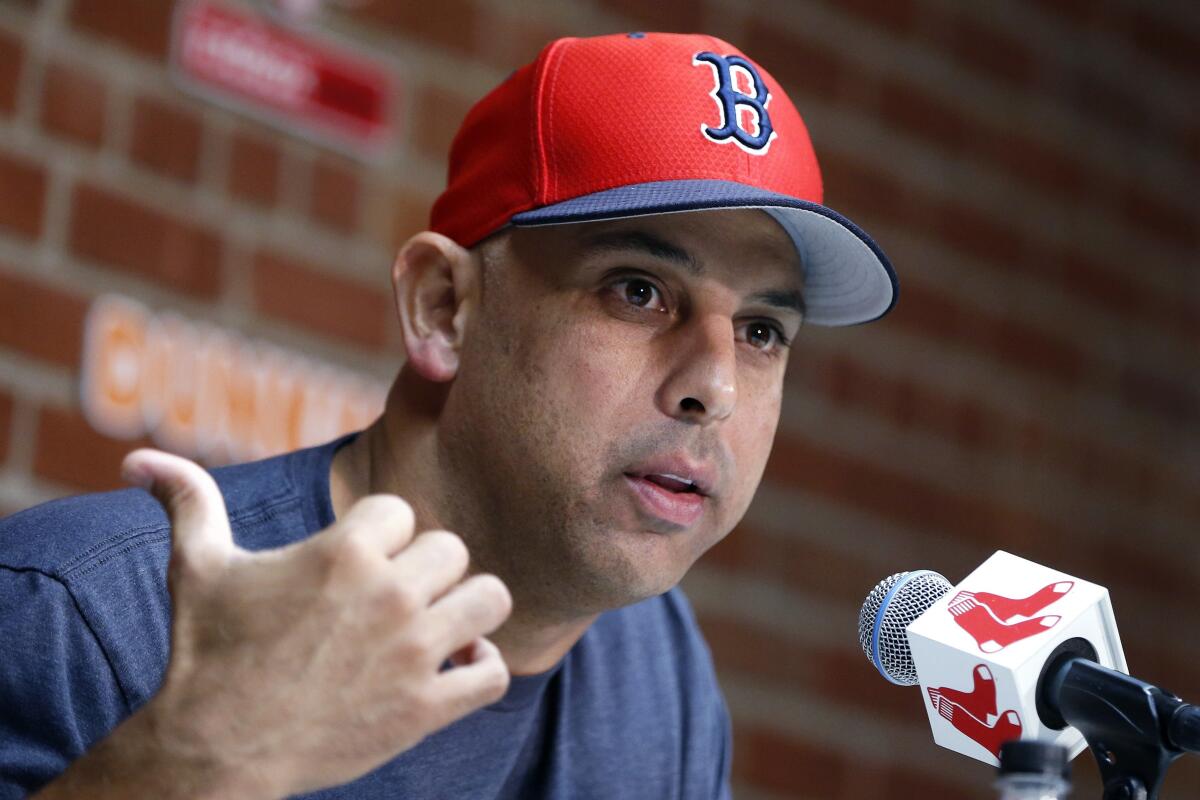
point(152, 754)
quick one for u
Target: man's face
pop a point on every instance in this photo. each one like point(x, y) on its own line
point(605, 358)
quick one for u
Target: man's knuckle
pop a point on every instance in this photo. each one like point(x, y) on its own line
point(450, 547)
point(385, 506)
point(399, 600)
point(415, 649)
point(494, 592)
point(180, 492)
point(353, 554)
point(495, 680)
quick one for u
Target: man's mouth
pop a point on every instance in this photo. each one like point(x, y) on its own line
point(668, 497)
point(673, 483)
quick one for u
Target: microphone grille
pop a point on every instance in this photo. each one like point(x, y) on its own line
point(894, 603)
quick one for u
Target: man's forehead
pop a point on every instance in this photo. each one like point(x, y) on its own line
point(699, 242)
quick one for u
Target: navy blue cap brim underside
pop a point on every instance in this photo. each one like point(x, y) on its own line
point(848, 279)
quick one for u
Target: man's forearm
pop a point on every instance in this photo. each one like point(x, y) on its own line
point(143, 758)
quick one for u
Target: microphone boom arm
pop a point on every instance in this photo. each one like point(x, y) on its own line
point(1134, 729)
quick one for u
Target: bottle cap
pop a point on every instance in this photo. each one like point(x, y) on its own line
point(1031, 757)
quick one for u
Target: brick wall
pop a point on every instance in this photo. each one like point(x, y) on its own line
point(1029, 166)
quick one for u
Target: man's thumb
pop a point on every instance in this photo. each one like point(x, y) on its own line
point(200, 530)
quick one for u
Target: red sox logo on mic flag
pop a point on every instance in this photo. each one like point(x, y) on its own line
point(989, 617)
point(973, 713)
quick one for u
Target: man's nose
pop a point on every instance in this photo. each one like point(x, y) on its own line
point(702, 384)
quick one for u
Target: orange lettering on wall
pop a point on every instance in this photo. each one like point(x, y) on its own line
point(114, 341)
point(208, 393)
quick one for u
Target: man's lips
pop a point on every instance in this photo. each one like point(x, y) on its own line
point(678, 507)
point(676, 473)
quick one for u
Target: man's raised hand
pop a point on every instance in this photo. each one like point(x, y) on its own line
point(310, 665)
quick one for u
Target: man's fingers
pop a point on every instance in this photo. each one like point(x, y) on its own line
point(199, 521)
point(479, 678)
point(435, 561)
point(384, 520)
point(475, 607)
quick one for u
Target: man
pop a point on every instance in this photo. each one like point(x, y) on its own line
point(592, 385)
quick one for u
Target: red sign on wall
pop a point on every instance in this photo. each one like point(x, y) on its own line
point(293, 80)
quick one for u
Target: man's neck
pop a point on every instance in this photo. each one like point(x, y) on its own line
point(385, 458)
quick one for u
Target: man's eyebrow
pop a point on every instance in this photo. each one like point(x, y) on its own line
point(789, 299)
point(647, 243)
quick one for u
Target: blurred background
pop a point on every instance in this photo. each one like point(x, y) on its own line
point(202, 262)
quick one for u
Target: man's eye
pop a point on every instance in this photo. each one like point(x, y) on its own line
point(640, 293)
point(765, 336)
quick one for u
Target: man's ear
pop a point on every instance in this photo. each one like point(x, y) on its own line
point(435, 281)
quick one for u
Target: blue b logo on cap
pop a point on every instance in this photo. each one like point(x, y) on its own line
point(735, 104)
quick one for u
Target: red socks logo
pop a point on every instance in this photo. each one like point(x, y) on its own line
point(973, 713)
point(988, 617)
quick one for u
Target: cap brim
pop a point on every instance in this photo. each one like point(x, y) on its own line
point(847, 278)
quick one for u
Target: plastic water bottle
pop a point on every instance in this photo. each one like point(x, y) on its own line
point(1033, 770)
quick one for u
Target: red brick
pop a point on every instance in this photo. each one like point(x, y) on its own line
point(41, 321)
point(73, 104)
point(1084, 275)
point(663, 15)
point(1174, 223)
point(863, 191)
point(125, 234)
point(6, 405)
point(979, 235)
point(988, 524)
point(1034, 162)
point(896, 16)
point(514, 41)
point(975, 427)
point(71, 453)
point(12, 55)
point(453, 25)
point(305, 296)
point(984, 48)
point(409, 214)
point(1091, 93)
point(22, 196)
point(1013, 341)
point(143, 26)
point(902, 782)
point(166, 138)
point(1175, 45)
point(1008, 339)
point(805, 68)
point(1081, 13)
point(254, 169)
point(1190, 144)
point(898, 496)
point(335, 197)
point(779, 763)
point(439, 113)
point(810, 567)
point(921, 114)
point(1107, 286)
point(1159, 396)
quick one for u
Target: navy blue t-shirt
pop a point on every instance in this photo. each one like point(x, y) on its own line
point(632, 711)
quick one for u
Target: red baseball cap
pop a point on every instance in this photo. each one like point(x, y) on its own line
point(649, 123)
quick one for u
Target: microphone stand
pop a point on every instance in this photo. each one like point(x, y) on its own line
point(1135, 730)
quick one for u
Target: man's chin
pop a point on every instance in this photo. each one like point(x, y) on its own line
point(634, 582)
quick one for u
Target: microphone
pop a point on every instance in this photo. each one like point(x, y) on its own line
point(1020, 651)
